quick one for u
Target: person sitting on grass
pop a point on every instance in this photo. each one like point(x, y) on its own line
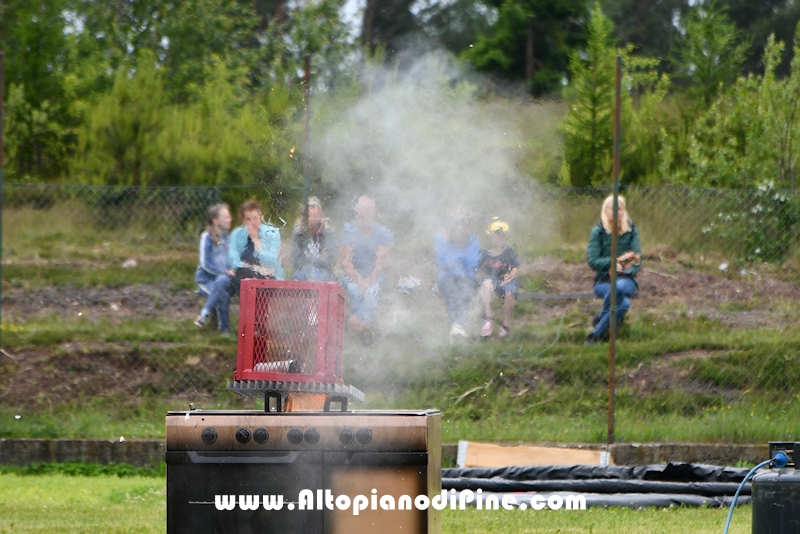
point(364, 249)
point(627, 264)
point(255, 246)
point(212, 276)
point(313, 249)
point(457, 257)
point(498, 270)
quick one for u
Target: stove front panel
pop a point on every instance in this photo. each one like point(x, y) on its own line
point(195, 481)
point(270, 431)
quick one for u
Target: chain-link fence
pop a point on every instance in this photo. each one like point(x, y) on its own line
point(99, 298)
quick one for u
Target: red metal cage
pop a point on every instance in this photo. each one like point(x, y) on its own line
point(290, 331)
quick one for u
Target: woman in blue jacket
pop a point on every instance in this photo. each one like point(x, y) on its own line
point(212, 275)
point(255, 248)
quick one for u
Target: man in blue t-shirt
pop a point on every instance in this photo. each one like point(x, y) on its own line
point(365, 246)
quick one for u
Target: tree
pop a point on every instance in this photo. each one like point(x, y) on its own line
point(195, 33)
point(711, 54)
point(649, 25)
point(32, 33)
point(531, 41)
point(116, 145)
point(455, 25)
point(749, 135)
point(588, 126)
point(387, 23)
point(758, 20)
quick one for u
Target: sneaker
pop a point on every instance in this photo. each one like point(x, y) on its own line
point(592, 338)
point(488, 328)
point(458, 330)
point(595, 320)
point(503, 331)
point(200, 322)
point(457, 333)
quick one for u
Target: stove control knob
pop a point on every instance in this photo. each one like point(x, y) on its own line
point(261, 435)
point(295, 436)
point(208, 435)
point(243, 435)
point(312, 436)
point(364, 435)
point(346, 436)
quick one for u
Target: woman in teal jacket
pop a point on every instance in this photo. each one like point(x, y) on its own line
point(627, 264)
point(254, 250)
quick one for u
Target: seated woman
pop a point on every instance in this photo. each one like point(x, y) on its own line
point(313, 249)
point(457, 257)
point(627, 264)
point(212, 275)
point(254, 248)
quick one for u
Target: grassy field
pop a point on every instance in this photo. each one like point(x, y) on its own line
point(92, 348)
point(542, 386)
point(110, 504)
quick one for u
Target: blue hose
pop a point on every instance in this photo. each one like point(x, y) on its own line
point(779, 460)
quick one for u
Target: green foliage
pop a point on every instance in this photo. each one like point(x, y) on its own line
point(748, 135)
point(80, 469)
point(588, 126)
point(36, 123)
point(193, 38)
point(763, 227)
point(36, 139)
point(711, 54)
point(646, 24)
point(135, 136)
point(118, 144)
point(531, 41)
point(455, 25)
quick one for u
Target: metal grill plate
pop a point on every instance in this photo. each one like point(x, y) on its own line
point(257, 388)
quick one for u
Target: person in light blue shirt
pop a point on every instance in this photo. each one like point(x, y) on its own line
point(365, 246)
point(212, 276)
point(254, 250)
point(457, 257)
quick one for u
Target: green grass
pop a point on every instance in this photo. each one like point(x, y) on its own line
point(59, 503)
point(68, 504)
point(33, 276)
point(85, 469)
point(702, 382)
point(598, 521)
point(103, 418)
point(53, 330)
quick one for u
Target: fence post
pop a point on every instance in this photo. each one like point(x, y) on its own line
point(612, 344)
point(2, 183)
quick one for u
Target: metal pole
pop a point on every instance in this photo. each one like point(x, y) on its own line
point(612, 345)
point(306, 148)
point(307, 131)
point(2, 184)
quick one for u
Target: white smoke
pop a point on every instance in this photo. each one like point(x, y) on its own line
point(420, 140)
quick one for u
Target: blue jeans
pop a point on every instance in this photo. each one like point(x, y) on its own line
point(625, 288)
point(363, 305)
point(218, 297)
point(458, 293)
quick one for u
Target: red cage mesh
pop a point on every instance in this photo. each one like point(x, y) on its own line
point(290, 331)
